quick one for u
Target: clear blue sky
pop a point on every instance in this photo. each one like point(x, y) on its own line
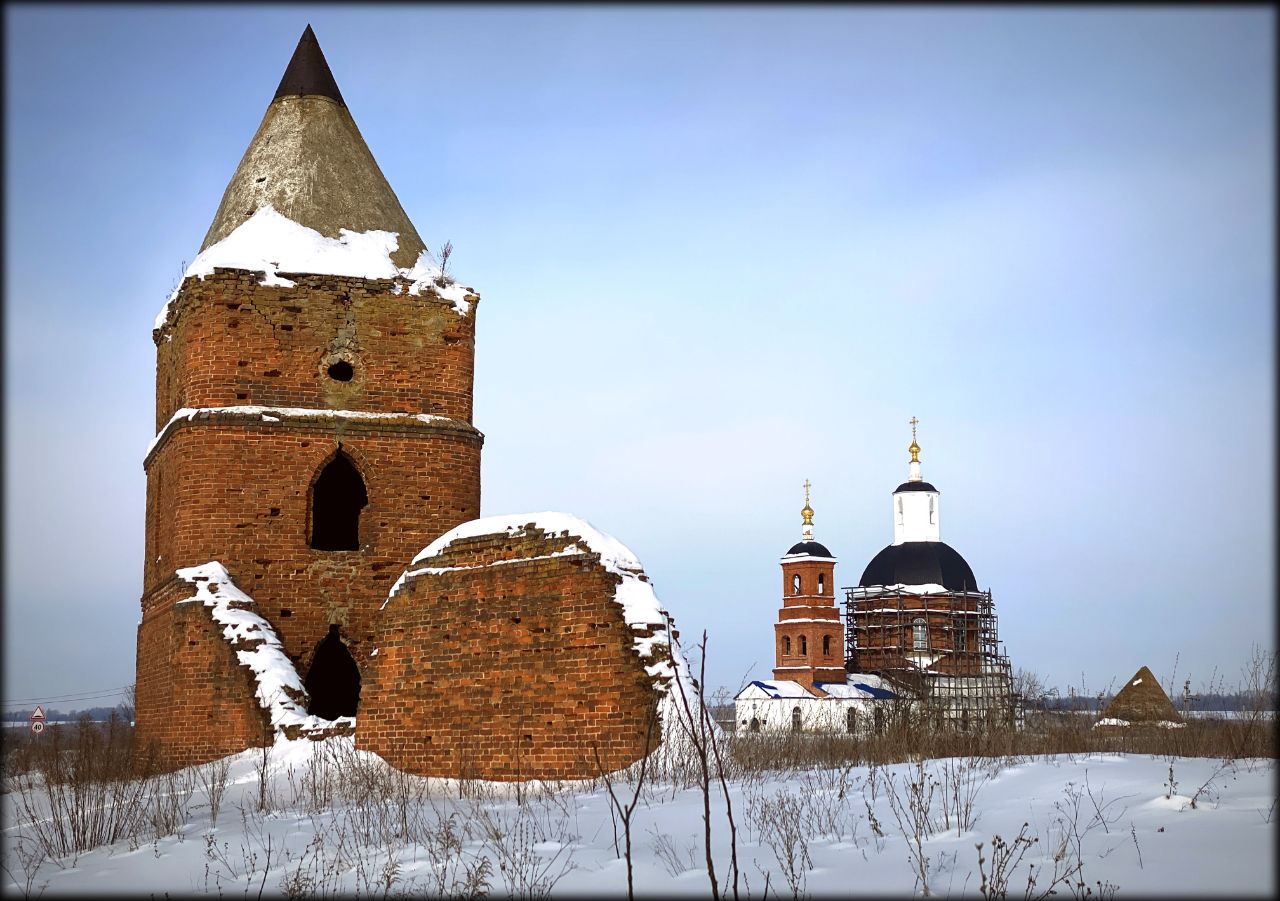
point(721, 250)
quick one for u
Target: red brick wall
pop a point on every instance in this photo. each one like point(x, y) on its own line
point(239, 492)
point(236, 489)
point(883, 638)
point(808, 605)
point(506, 671)
point(230, 341)
point(198, 704)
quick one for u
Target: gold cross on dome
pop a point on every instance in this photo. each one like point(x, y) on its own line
point(807, 486)
point(914, 423)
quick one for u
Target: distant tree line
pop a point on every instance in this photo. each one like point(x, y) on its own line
point(1209, 700)
point(53, 714)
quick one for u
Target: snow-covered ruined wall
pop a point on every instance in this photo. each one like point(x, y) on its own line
point(277, 686)
point(522, 647)
point(212, 676)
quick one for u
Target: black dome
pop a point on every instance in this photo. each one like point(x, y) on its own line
point(809, 549)
point(914, 486)
point(920, 563)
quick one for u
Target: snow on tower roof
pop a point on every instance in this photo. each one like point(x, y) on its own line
point(309, 161)
point(271, 243)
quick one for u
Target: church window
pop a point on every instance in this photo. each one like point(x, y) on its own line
point(804, 646)
point(826, 646)
point(755, 724)
point(899, 511)
point(961, 638)
point(341, 371)
point(822, 583)
point(919, 634)
point(878, 720)
point(786, 644)
point(337, 497)
point(333, 681)
point(795, 584)
point(851, 721)
point(795, 719)
point(931, 519)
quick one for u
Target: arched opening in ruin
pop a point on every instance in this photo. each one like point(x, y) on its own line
point(337, 497)
point(333, 681)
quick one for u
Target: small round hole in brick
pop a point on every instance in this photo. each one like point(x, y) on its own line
point(341, 371)
point(333, 680)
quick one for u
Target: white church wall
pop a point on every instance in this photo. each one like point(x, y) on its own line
point(918, 520)
point(817, 715)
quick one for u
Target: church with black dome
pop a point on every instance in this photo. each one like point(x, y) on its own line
point(916, 627)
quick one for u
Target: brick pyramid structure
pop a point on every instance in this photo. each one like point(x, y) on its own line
point(1142, 700)
point(314, 432)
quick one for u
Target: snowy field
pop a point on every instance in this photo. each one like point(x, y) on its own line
point(1117, 821)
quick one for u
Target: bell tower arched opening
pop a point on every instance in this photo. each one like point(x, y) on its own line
point(333, 681)
point(337, 497)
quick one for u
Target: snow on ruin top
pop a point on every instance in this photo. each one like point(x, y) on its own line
point(270, 242)
point(640, 606)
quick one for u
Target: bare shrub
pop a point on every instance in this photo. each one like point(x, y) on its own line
point(1005, 858)
point(783, 823)
point(912, 803)
point(961, 780)
point(675, 860)
point(213, 778)
point(80, 792)
point(533, 852)
point(170, 801)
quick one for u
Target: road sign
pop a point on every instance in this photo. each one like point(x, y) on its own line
point(38, 713)
point(37, 720)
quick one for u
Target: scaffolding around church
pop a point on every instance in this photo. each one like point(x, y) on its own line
point(941, 650)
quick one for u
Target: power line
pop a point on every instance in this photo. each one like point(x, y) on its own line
point(85, 695)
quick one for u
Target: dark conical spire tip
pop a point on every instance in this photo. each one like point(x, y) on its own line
point(308, 72)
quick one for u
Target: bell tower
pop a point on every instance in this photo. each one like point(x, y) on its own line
point(809, 636)
point(313, 424)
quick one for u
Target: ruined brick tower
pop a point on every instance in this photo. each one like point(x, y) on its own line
point(313, 434)
point(808, 637)
point(313, 431)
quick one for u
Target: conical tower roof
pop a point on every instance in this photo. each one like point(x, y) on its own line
point(309, 161)
point(1142, 700)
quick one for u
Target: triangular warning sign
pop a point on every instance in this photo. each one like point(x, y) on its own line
point(38, 713)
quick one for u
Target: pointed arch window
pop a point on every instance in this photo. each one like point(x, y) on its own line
point(795, 719)
point(337, 497)
point(826, 646)
point(851, 721)
point(795, 584)
point(822, 583)
point(804, 646)
point(786, 644)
